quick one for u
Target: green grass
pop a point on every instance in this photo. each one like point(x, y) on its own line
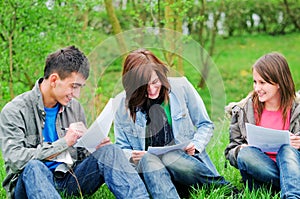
point(233, 58)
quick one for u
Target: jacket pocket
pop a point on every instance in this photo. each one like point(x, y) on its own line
point(131, 135)
point(183, 124)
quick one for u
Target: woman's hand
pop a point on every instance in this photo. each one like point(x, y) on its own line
point(295, 140)
point(190, 149)
point(136, 156)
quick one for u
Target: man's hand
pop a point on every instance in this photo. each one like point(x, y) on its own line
point(104, 142)
point(72, 136)
point(75, 131)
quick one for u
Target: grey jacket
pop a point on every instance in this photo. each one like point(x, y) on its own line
point(21, 123)
point(243, 112)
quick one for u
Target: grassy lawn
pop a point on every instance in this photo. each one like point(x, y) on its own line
point(233, 58)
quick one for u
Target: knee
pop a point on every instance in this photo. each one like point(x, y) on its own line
point(245, 153)
point(34, 165)
point(148, 158)
point(112, 147)
point(285, 149)
point(176, 158)
point(109, 149)
point(110, 154)
point(287, 152)
point(150, 162)
point(246, 156)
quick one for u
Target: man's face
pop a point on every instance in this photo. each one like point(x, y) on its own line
point(65, 90)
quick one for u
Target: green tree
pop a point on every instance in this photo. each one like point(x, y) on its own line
point(29, 30)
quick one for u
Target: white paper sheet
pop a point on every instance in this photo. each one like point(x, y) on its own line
point(165, 149)
point(268, 140)
point(98, 130)
point(64, 157)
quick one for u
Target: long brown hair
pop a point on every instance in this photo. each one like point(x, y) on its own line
point(274, 69)
point(137, 70)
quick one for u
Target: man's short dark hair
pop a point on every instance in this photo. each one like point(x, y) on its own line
point(66, 61)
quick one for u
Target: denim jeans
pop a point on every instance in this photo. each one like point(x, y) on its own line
point(106, 165)
point(160, 173)
point(288, 161)
point(257, 169)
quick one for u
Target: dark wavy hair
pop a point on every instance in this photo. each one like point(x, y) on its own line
point(274, 69)
point(137, 70)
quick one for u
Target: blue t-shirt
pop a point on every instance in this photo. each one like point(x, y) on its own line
point(49, 131)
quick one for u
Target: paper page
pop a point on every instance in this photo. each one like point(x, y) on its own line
point(268, 140)
point(64, 157)
point(98, 130)
point(165, 149)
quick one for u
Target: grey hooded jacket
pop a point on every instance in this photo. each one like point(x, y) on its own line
point(242, 112)
point(21, 123)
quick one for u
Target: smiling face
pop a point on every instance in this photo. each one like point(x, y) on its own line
point(154, 86)
point(64, 90)
point(266, 92)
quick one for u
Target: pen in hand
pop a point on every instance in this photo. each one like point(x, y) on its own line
point(66, 129)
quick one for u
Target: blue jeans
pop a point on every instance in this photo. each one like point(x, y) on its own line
point(257, 169)
point(160, 173)
point(106, 165)
point(288, 161)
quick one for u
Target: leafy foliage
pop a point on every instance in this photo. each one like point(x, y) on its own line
point(30, 30)
point(28, 35)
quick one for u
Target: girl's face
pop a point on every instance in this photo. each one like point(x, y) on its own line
point(154, 86)
point(267, 93)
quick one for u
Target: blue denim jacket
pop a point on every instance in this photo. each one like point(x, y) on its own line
point(190, 121)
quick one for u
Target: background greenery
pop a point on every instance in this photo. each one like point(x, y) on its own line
point(29, 35)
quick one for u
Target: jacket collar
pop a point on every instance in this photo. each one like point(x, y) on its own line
point(38, 97)
point(295, 111)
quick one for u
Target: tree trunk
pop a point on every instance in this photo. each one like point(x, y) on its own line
point(85, 19)
point(170, 18)
point(11, 83)
point(10, 46)
point(174, 26)
point(180, 48)
point(205, 57)
point(115, 25)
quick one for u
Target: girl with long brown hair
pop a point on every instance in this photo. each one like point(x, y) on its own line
point(272, 104)
point(159, 111)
